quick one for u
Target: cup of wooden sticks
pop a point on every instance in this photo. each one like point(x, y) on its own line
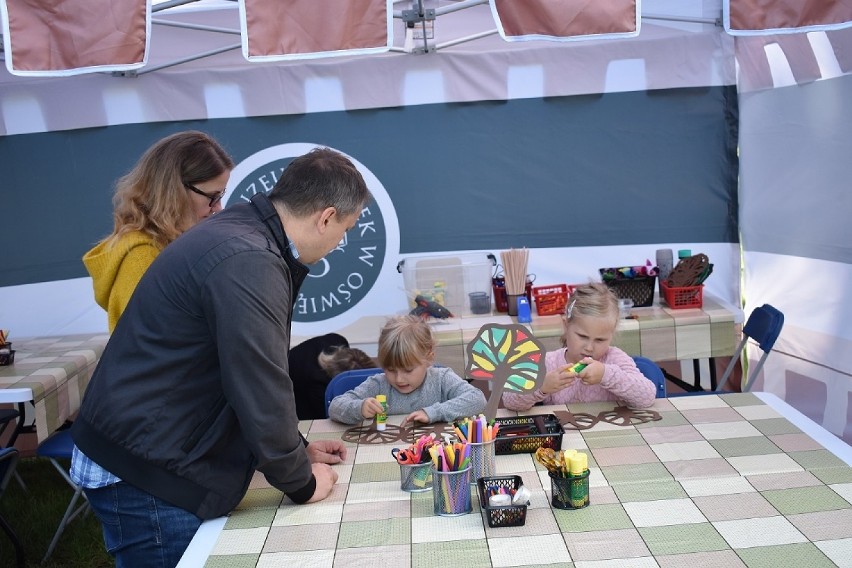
point(515, 263)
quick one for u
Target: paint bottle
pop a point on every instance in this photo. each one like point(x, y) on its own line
point(524, 315)
point(382, 417)
point(579, 475)
point(665, 263)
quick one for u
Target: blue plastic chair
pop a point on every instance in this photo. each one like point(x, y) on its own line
point(653, 372)
point(60, 446)
point(763, 326)
point(346, 381)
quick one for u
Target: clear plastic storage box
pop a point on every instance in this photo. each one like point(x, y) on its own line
point(460, 283)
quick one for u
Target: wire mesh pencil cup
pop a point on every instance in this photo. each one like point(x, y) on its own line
point(482, 460)
point(415, 478)
point(451, 492)
point(569, 492)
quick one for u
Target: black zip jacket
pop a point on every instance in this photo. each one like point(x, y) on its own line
point(193, 392)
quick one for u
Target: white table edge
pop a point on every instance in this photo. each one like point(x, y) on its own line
point(16, 395)
point(202, 543)
point(828, 440)
point(205, 539)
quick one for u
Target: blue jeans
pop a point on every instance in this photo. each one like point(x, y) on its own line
point(141, 530)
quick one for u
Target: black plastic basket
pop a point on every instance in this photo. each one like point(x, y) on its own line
point(526, 434)
point(639, 289)
point(505, 515)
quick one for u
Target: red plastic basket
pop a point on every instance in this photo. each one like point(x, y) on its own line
point(550, 300)
point(684, 297)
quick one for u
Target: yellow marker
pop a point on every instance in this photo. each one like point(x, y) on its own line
point(576, 367)
point(382, 417)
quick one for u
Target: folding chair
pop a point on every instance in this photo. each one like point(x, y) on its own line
point(763, 326)
point(8, 462)
point(345, 381)
point(9, 416)
point(59, 446)
point(653, 372)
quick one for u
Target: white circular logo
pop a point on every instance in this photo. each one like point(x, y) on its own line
point(350, 274)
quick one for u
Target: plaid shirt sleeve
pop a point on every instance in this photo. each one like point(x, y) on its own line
point(88, 474)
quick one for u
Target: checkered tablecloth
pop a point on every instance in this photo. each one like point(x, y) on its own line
point(719, 481)
point(56, 370)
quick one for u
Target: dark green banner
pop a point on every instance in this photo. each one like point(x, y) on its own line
point(619, 168)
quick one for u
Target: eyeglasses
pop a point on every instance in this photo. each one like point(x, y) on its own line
point(213, 197)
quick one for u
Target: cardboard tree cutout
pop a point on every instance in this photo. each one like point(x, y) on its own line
point(510, 357)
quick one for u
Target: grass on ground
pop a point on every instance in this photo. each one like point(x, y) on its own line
point(34, 515)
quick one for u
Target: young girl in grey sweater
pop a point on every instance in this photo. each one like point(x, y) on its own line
point(413, 387)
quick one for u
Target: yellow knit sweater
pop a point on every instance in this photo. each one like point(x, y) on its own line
point(116, 269)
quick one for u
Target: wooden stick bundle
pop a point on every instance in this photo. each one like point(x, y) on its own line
point(515, 268)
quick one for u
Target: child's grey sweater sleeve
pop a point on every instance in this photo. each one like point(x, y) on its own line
point(346, 407)
point(460, 398)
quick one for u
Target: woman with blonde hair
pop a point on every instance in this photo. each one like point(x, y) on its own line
point(177, 182)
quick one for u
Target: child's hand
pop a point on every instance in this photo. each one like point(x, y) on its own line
point(555, 381)
point(370, 407)
point(593, 373)
point(416, 416)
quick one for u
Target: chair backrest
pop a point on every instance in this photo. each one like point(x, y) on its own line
point(345, 381)
point(763, 326)
point(653, 372)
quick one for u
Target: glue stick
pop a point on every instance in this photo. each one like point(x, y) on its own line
point(382, 417)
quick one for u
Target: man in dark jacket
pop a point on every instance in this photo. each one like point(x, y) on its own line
point(192, 393)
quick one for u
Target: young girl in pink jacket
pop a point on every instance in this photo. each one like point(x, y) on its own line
point(590, 319)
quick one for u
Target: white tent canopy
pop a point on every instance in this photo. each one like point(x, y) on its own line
point(222, 83)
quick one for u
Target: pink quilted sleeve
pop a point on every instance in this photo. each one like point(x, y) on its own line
point(623, 379)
